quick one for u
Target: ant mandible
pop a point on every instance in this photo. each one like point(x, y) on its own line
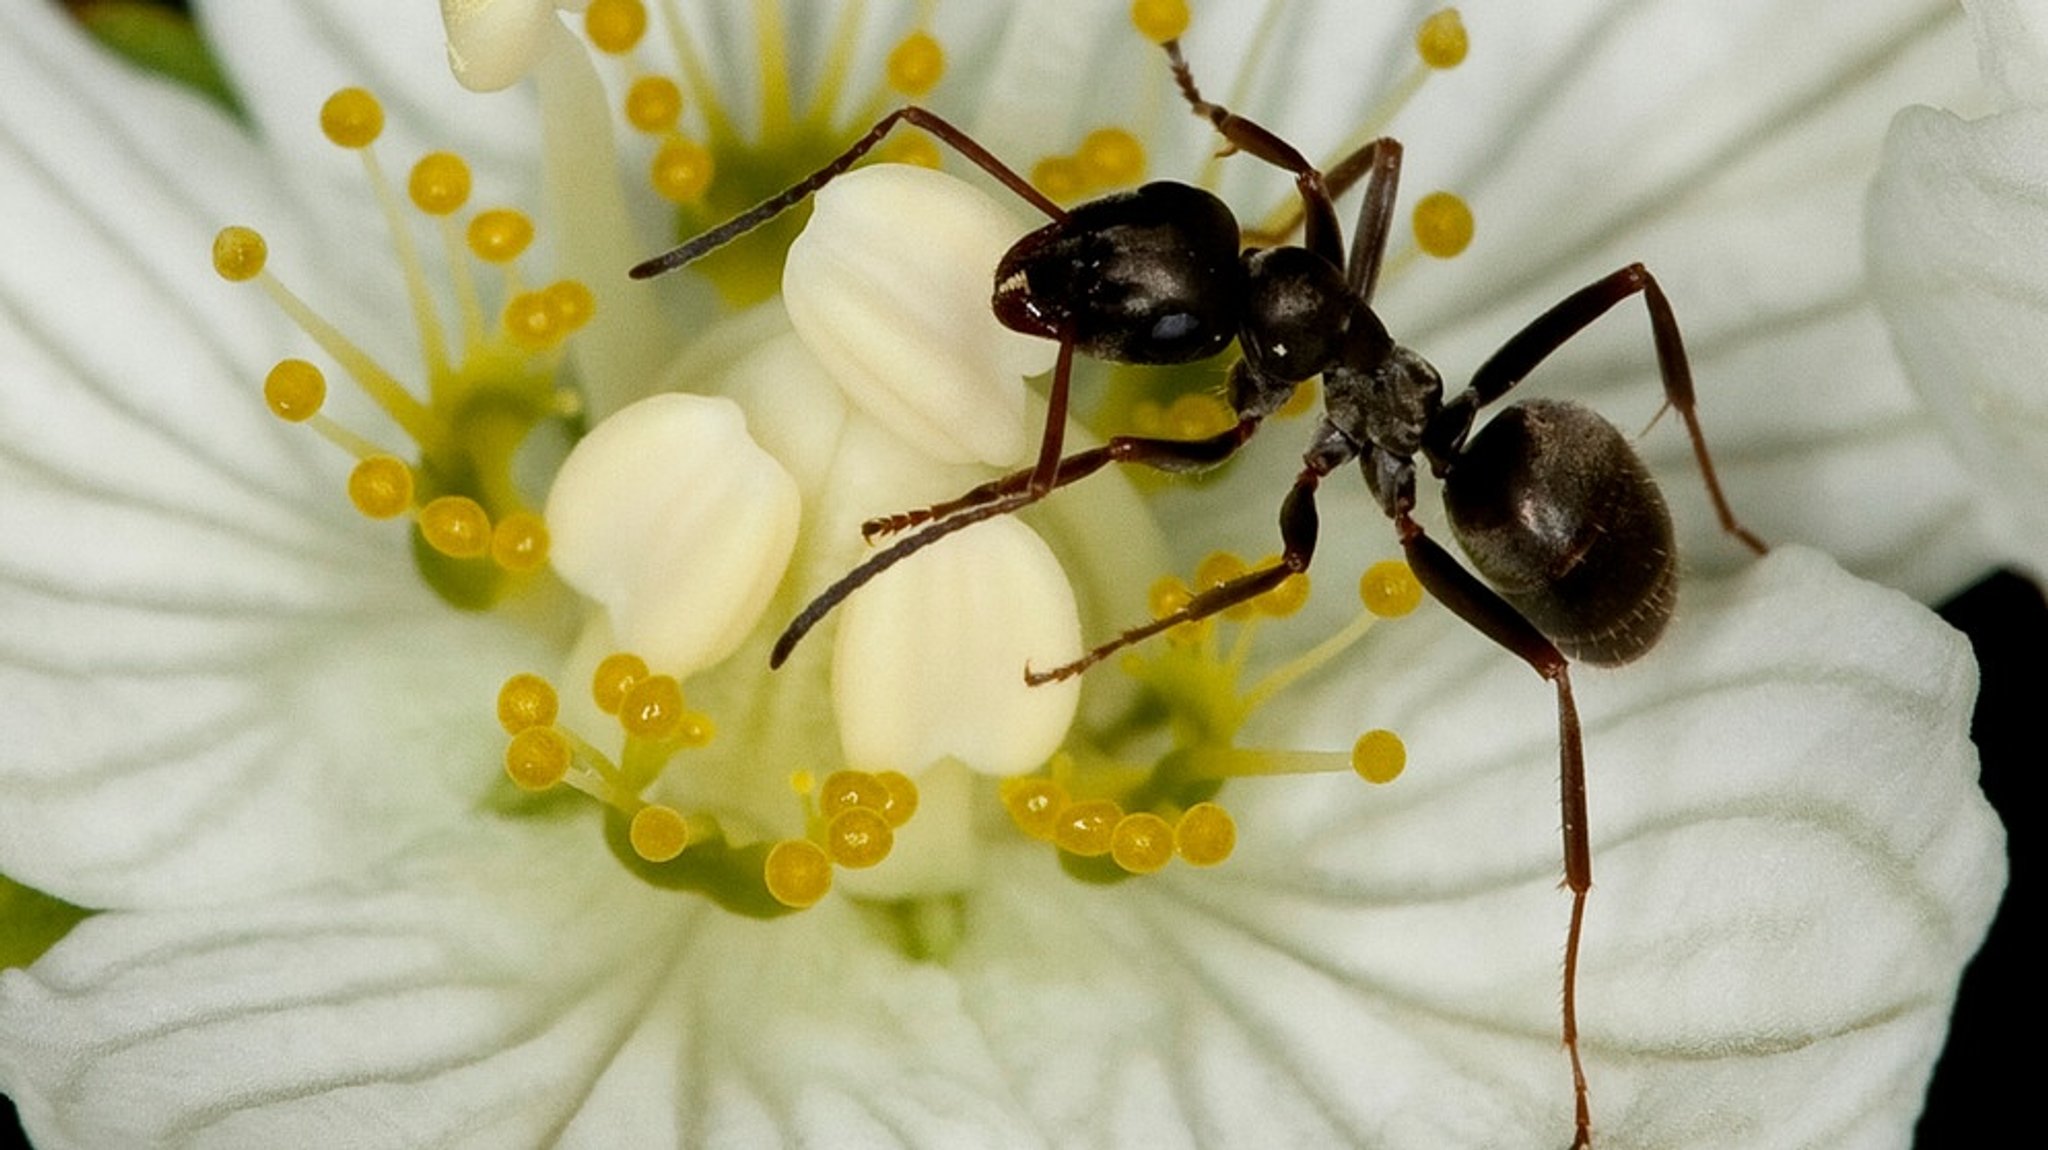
point(1548, 500)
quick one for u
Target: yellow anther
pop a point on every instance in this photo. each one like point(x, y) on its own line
point(912, 148)
point(858, 838)
point(352, 118)
point(1142, 843)
point(1216, 569)
point(682, 171)
point(1443, 224)
point(1299, 403)
point(902, 802)
point(498, 235)
point(519, 542)
point(1087, 828)
point(1287, 598)
point(846, 790)
point(1379, 756)
point(1112, 158)
point(456, 526)
point(1205, 835)
point(439, 183)
point(1059, 177)
point(652, 707)
point(916, 64)
point(615, 675)
point(532, 321)
point(798, 873)
point(654, 103)
point(696, 729)
point(239, 254)
point(1441, 41)
point(658, 833)
point(1197, 416)
point(572, 303)
point(802, 782)
point(1389, 590)
point(1160, 20)
point(1034, 805)
point(615, 26)
point(294, 390)
point(380, 487)
point(1167, 595)
point(526, 700)
point(537, 758)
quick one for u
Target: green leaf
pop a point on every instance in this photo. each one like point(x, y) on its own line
point(160, 40)
point(31, 922)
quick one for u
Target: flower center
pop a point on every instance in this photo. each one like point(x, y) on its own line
point(477, 536)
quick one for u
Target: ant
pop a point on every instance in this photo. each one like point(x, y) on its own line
point(1553, 507)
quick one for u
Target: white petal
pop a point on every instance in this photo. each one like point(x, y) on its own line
point(1792, 862)
point(929, 661)
point(493, 44)
point(1957, 240)
point(211, 672)
point(2012, 48)
point(511, 986)
point(671, 517)
point(889, 285)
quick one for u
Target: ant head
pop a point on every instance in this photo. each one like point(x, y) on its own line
point(1149, 276)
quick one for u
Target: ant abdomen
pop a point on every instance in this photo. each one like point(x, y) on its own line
point(1557, 512)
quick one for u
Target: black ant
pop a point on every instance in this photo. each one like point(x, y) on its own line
point(1548, 499)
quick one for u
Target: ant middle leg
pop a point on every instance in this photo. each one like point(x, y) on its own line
point(1556, 327)
point(1006, 496)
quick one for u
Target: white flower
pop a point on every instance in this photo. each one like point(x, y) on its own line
point(1957, 242)
point(254, 736)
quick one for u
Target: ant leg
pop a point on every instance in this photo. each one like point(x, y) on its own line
point(1298, 526)
point(1007, 495)
point(761, 213)
point(1554, 328)
point(1176, 455)
point(1320, 233)
point(1381, 161)
point(1478, 605)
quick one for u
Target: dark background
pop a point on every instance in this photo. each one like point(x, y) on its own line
point(2006, 619)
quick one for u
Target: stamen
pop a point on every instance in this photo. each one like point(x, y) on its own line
point(1205, 835)
point(858, 838)
point(439, 183)
point(456, 526)
point(1142, 843)
point(654, 104)
point(239, 254)
point(1379, 756)
point(499, 235)
point(1087, 828)
point(902, 801)
point(615, 675)
point(916, 65)
point(294, 390)
point(352, 118)
point(1441, 41)
point(519, 542)
point(1389, 589)
point(615, 26)
point(1059, 177)
point(682, 171)
point(652, 708)
point(381, 487)
point(526, 700)
point(1218, 568)
point(797, 873)
point(537, 758)
point(1035, 805)
point(1112, 158)
point(1443, 224)
point(658, 833)
point(1160, 20)
point(847, 790)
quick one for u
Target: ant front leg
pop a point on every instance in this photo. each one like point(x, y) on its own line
point(732, 229)
point(1556, 327)
point(1469, 599)
point(1005, 496)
